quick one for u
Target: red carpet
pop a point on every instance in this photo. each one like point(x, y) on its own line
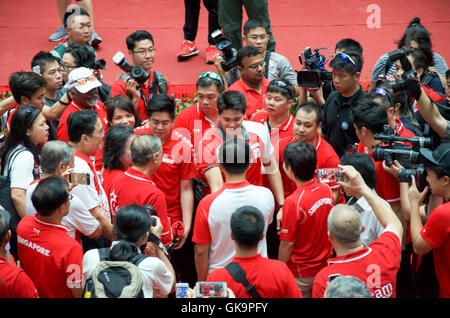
point(26, 25)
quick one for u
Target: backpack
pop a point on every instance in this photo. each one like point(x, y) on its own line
point(115, 279)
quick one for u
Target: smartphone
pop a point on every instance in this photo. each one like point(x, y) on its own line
point(329, 175)
point(181, 290)
point(79, 178)
point(211, 289)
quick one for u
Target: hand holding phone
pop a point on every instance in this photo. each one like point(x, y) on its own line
point(79, 178)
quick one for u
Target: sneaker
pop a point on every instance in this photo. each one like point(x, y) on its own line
point(95, 39)
point(59, 35)
point(211, 52)
point(187, 49)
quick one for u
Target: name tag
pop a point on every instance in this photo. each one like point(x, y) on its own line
point(166, 158)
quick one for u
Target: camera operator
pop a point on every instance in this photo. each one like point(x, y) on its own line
point(436, 115)
point(141, 48)
point(433, 236)
point(337, 126)
point(256, 33)
point(420, 64)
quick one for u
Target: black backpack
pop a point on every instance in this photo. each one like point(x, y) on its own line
point(115, 279)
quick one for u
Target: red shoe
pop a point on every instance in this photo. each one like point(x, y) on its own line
point(187, 49)
point(211, 52)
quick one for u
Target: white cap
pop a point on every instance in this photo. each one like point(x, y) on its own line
point(80, 73)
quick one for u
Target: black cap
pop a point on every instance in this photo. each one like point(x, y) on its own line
point(439, 156)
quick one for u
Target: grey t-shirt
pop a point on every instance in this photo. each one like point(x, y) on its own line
point(279, 67)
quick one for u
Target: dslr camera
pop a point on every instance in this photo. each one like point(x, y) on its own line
point(315, 72)
point(224, 45)
point(136, 72)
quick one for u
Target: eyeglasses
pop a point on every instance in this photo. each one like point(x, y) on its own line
point(256, 37)
point(211, 75)
point(255, 66)
point(283, 85)
point(346, 58)
point(144, 52)
point(67, 67)
point(84, 81)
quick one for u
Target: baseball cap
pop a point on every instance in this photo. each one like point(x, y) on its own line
point(439, 156)
point(83, 80)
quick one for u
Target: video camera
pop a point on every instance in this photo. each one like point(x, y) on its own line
point(393, 147)
point(224, 45)
point(315, 72)
point(408, 72)
point(136, 72)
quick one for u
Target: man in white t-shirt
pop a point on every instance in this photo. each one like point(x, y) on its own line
point(86, 136)
point(57, 159)
point(213, 245)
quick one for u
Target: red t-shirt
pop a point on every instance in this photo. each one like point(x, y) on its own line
point(304, 222)
point(63, 134)
point(326, 158)
point(119, 88)
point(177, 164)
point(375, 265)
point(51, 258)
point(260, 146)
point(108, 177)
point(271, 278)
point(436, 232)
point(255, 100)
point(121, 193)
point(14, 282)
point(286, 129)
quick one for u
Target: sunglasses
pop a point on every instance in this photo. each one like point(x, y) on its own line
point(346, 58)
point(285, 86)
point(84, 81)
point(211, 75)
point(382, 92)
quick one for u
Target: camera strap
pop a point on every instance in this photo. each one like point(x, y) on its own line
point(238, 275)
point(152, 90)
point(267, 60)
point(154, 239)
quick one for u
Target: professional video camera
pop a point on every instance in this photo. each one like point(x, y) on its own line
point(229, 53)
point(136, 72)
point(315, 72)
point(393, 147)
point(408, 72)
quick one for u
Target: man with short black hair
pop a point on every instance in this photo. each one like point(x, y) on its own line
point(51, 258)
point(252, 83)
point(304, 245)
point(213, 249)
point(141, 48)
point(270, 278)
point(337, 125)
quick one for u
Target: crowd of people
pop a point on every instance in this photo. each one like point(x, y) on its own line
point(278, 189)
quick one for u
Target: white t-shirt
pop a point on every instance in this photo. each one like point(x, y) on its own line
point(212, 220)
point(21, 174)
point(155, 273)
point(78, 219)
point(88, 193)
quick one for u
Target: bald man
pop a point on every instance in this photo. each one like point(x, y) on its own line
point(377, 264)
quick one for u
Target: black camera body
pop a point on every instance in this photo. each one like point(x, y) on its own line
point(408, 72)
point(315, 73)
point(393, 148)
point(224, 45)
point(137, 73)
